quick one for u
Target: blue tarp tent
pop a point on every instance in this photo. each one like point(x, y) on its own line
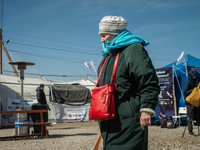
point(193, 63)
point(180, 77)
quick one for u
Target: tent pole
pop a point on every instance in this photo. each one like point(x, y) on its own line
point(179, 86)
point(186, 69)
point(174, 91)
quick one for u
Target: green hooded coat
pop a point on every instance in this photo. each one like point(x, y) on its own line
point(137, 87)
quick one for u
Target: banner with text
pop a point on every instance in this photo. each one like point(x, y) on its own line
point(14, 104)
point(77, 112)
point(165, 105)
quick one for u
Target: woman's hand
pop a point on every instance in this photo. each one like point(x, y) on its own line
point(145, 120)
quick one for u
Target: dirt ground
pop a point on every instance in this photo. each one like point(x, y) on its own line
point(83, 136)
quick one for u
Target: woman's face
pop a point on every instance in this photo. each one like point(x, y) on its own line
point(106, 37)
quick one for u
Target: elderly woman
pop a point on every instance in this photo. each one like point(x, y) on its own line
point(137, 86)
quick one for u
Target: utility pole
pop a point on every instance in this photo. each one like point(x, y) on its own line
point(8, 56)
point(1, 62)
point(1, 68)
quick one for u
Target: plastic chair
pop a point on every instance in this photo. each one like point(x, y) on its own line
point(182, 112)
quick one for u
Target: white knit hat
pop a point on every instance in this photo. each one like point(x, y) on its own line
point(112, 25)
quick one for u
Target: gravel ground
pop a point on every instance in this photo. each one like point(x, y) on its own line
point(83, 136)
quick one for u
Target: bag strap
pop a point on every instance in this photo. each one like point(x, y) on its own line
point(100, 71)
point(114, 69)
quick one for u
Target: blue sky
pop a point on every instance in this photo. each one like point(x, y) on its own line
point(59, 36)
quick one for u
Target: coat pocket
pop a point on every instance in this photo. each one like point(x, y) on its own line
point(125, 110)
point(135, 104)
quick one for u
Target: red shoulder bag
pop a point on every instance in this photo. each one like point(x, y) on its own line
point(103, 98)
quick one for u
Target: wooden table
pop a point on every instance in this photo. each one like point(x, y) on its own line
point(43, 124)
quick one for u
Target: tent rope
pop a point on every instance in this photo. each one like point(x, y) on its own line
point(179, 69)
point(179, 85)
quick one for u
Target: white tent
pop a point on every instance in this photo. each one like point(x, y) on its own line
point(10, 88)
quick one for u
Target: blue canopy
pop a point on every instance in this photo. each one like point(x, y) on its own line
point(180, 77)
point(193, 63)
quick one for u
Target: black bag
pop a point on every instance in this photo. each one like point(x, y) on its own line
point(163, 122)
point(158, 123)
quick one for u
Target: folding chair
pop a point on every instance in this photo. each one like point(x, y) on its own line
point(182, 112)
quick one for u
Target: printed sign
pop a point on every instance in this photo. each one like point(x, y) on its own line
point(165, 105)
point(77, 112)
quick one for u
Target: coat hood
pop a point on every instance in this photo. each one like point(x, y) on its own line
point(38, 89)
point(191, 74)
